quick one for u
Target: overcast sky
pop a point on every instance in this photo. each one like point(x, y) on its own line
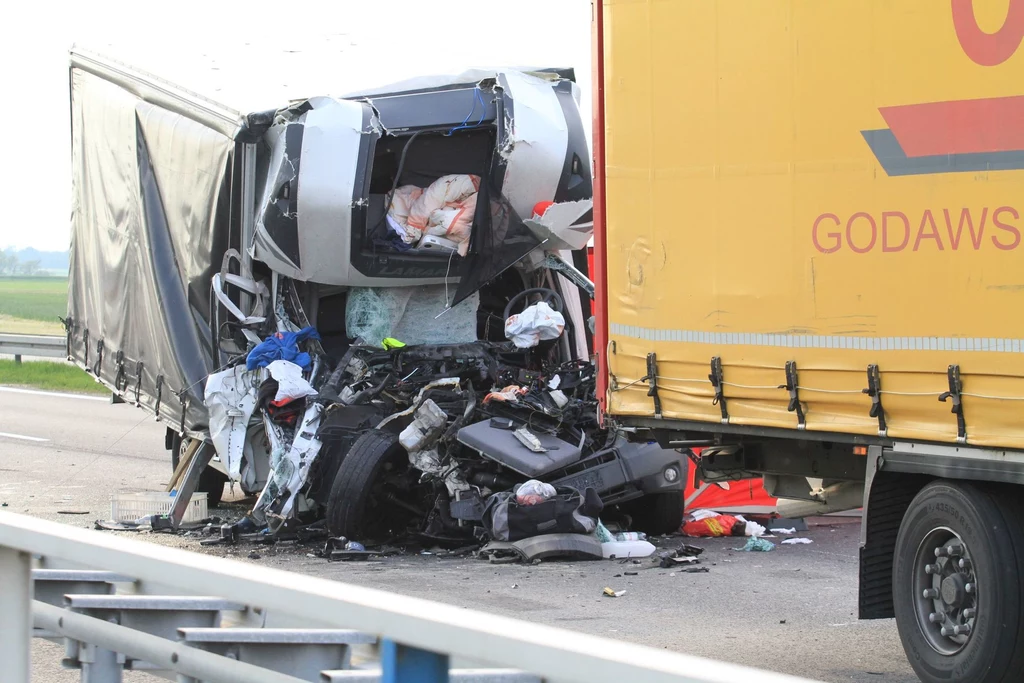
point(374, 41)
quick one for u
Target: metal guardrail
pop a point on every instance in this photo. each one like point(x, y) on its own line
point(417, 636)
point(44, 345)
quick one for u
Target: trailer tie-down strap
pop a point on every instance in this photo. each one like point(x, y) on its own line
point(717, 378)
point(183, 398)
point(794, 396)
point(121, 375)
point(69, 333)
point(99, 358)
point(159, 394)
point(652, 382)
point(955, 392)
point(85, 345)
point(874, 390)
point(138, 382)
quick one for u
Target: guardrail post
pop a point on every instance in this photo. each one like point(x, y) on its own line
point(404, 664)
point(17, 358)
point(15, 614)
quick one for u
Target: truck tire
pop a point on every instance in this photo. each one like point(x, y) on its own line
point(961, 623)
point(657, 513)
point(356, 508)
point(211, 481)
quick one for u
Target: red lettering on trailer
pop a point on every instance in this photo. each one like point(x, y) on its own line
point(886, 246)
point(988, 49)
point(849, 232)
point(1007, 227)
point(963, 229)
point(965, 214)
point(837, 236)
point(932, 234)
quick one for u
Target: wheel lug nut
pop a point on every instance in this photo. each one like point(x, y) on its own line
point(969, 588)
point(964, 563)
point(970, 613)
point(962, 630)
point(940, 552)
point(954, 550)
point(931, 569)
point(936, 618)
point(946, 631)
point(930, 593)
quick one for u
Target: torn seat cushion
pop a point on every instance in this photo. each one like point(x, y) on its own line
point(444, 209)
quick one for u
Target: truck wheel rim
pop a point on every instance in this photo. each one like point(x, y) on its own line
point(946, 591)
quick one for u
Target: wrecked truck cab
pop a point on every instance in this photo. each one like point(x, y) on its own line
point(333, 168)
point(346, 290)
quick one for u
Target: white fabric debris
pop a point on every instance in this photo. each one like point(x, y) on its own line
point(795, 541)
point(559, 398)
point(231, 398)
point(291, 384)
point(754, 529)
point(697, 515)
point(537, 323)
point(784, 532)
point(532, 492)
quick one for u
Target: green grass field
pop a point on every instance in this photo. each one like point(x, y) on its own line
point(31, 305)
point(46, 375)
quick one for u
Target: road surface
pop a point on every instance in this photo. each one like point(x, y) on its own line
point(792, 610)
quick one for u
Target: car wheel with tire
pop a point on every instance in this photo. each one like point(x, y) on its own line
point(957, 590)
point(657, 513)
point(364, 500)
point(211, 481)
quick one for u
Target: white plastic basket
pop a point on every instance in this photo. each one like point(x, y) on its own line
point(128, 507)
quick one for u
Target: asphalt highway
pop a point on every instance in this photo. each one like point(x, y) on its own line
point(792, 610)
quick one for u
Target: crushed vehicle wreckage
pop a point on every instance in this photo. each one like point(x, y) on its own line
point(344, 300)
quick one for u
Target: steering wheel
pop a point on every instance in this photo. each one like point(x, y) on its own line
point(548, 296)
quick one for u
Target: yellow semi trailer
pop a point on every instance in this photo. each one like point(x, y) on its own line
point(808, 226)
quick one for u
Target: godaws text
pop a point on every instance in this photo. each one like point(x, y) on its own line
point(863, 232)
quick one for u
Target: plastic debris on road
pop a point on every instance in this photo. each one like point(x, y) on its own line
point(755, 544)
point(609, 593)
point(796, 541)
point(784, 532)
point(621, 550)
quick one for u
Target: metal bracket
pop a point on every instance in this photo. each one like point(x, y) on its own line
point(717, 381)
point(652, 382)
point(559, 265)
point(159, 395)
point(99, 358)
point(956, 388)
point(189, 482)
point(85, 345)
point(874, 390)
point(138, 381)
point(794, 396)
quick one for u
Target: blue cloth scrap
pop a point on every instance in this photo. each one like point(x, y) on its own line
point(281, 346)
